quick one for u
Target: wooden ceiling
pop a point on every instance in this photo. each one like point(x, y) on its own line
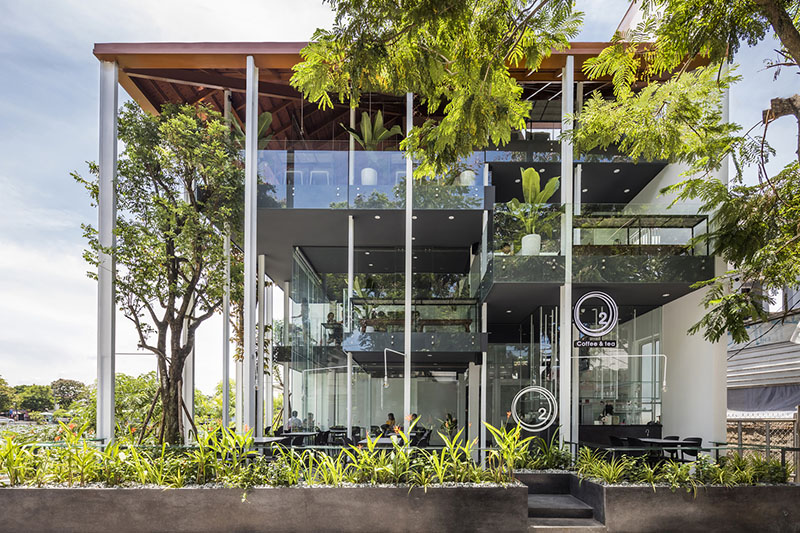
point(158, 73)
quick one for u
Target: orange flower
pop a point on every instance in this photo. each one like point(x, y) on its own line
point(508, 415)
point(133, 429)
point(71, 426)
point(397, 429)
point(58, 438)
point(409, 417)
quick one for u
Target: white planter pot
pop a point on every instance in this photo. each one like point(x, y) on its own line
point(531, 244)
point(467, 178)
point(369, 176)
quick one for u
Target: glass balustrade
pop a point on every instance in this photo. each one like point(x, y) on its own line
point(612, 243)
point(318, 175)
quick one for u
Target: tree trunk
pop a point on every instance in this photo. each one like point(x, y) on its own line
point(170, 398)
point(783, 25)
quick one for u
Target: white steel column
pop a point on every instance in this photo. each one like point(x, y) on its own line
point(348, 319)
point(261, 336)
point(287, 321)
point(484, 370)
point(269, 332)
point(106, 270)
point(187, 382)
point(250, 244)
point(473, 405)
point(187, 377)
point(226, 303)
point(226, 337)
point(566, 400)
point(349, 395)
point(351, 157)
point(408, 273)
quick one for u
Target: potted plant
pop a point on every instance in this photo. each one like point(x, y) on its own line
point(532, 212)
point(370, 136)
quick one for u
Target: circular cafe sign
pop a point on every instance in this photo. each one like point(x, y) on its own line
point(534, 408)
point(606, 316)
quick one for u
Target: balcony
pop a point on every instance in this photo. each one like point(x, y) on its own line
point(318, 176)
point(612, 243)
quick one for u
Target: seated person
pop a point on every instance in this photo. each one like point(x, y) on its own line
point(418, 425)
point(389, 425)
point(336, 330)
point(294, 423)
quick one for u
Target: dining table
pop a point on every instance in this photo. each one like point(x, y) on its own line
point(670, 443)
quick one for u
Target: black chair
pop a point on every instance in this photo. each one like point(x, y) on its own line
point(692, 450)
point(321, 438)
point(672, 453)
point(279, 431)
point(298, 441)
point(633, 442)
point(425, 441)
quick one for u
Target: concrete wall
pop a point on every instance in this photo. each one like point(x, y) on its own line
point(695, 402)
point(763, 508)
point(385, 509)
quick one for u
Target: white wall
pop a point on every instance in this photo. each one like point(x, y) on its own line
point(651, 193)
point(695, 402)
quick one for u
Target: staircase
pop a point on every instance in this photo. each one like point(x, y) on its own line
point(552, 509)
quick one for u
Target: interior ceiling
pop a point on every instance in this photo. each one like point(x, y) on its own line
point(379, 260)
point(372, 362)
point(601, 182)
point(328, 228)
point(513, 303)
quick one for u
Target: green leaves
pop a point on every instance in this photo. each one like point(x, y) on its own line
point(371, 135)
point(179, 188)
point(455, 57)
point(533, 213)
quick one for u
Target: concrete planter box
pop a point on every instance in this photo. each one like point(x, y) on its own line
point(762, 508)
point(357, 509)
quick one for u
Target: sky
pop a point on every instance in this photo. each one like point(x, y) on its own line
point(48, 129)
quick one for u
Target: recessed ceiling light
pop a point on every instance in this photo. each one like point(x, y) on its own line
point(584, 190)
point(371, 264)
point(508, 310)
point(665, 294)
point(451, 217)
point(413, 238)
point(430, 355)
point(366, 253)
point(541, 170)
point(626, 191)
point(517, 180)
point(415, 257)
point(377, 217)
point(616, 171)
point(413, 217)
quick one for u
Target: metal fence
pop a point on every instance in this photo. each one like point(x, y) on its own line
point(767, 437)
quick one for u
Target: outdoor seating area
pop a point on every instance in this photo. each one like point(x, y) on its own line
point(656, 450)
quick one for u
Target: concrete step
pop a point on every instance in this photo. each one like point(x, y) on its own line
point(545, 482)
point(557, 506)
point(565, 525)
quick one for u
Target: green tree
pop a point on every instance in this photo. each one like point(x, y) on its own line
point(681, 120)
point(35, 398)
point(179, 186)
point(6, 395)
point(66, 391)
point(454, 55)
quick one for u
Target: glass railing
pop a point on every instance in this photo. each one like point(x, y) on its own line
point(640, 243)
point(612, 243)
point(317, 175)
